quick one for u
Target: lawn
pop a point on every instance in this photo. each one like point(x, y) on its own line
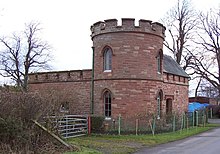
point(124, 144)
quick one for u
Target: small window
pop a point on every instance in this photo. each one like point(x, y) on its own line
point(159, 61)
point(107, 59)
point(107, 103)
point(159, 104)
point(68, 75)
point(158, 64)
point(57, 76)
point(36, 77)
point(46, 76)
point(64, 107)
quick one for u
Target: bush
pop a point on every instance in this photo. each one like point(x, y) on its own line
point(97, 123)
point(18, 133)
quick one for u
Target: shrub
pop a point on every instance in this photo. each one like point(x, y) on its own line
point(18, 133)
point(97, 123)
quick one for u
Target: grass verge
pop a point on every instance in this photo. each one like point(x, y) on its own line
point(124, 144)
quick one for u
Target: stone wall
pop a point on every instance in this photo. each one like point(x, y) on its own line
point(72, 87)
point(134, 80)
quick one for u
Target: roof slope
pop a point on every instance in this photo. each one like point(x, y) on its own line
point(172, 67)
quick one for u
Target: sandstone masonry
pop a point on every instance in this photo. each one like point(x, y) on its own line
point(132, 76)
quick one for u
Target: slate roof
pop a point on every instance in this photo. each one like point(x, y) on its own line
point(172, 67)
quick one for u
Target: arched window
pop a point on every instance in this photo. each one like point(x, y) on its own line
point(107, 59)
point(159, 104)
point(159, 61)
point(158, 64)
point(107, 103)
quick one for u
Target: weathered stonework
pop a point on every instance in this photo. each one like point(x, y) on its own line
point(134, 80)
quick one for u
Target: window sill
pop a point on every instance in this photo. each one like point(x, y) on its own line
point(107, 70)
point(108, 118)
point(158, 72)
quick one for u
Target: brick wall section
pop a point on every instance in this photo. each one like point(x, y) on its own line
point(134, 58)
point(71, 86)
point(132, 97)
point(60, 76)
point(134, 81)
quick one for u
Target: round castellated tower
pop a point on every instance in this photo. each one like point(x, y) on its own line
point(127, 65)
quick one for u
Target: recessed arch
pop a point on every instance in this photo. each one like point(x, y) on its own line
point(107, 58)
point(159, 97)
point(159, 59)
point(107, 102)
point(104, 48)
point(159, 93)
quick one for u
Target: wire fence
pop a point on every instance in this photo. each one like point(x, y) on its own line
point(78, 125)
point(152, 124)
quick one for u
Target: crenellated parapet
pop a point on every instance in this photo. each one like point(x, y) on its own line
point(128, 25)
point(60, 76)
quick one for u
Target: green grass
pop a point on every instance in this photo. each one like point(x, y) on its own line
point(124, 144)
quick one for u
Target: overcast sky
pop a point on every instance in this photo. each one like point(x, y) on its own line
point(66, 23)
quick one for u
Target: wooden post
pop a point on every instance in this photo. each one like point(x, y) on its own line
point(154, 125)
point(187, 124)
point(55, 136)
point(174, 123)
point(197, 118)
point(193, 120)
point(119, 124)
point(89, 125)
point(136, 126)
point(182, 121)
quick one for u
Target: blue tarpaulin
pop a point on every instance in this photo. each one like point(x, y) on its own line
point(196, 106)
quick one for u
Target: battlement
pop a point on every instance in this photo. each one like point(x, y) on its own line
point(128, 25)
point(60, 76)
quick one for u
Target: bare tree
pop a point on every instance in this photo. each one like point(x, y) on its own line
point(180, 22)
point(206, 89)
point(23, 53)
point(208, 59)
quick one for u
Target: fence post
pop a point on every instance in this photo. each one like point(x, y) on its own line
point(152, 126)
point(174, 123)
point(119, 124)
point(89, 125)
point(136, 126)
point(187, 123)
point(66, 121)
point(207, 115)
point(184, 120)
point(182, 123)
point(197, 118)
point(211, 113)
point(193, 118)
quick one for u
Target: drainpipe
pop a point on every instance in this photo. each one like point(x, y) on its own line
point(92, 86)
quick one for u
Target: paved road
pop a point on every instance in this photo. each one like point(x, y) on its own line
point(204, 143)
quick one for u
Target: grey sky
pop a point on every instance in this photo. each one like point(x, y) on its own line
point(66, 23)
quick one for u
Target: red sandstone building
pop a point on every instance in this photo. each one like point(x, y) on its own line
point(131, 76)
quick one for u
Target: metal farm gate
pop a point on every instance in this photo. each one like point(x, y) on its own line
point(70, 125)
